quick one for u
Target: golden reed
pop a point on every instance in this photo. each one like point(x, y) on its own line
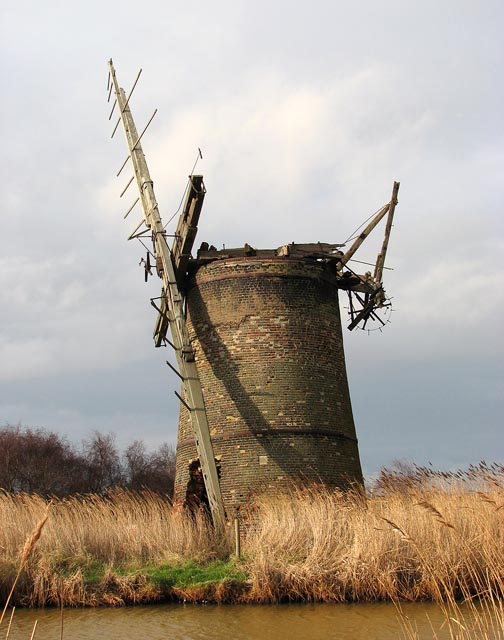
point(412, 540)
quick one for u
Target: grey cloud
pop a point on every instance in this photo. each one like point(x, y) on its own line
point(305, 115)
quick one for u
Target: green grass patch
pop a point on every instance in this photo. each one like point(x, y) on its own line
point(92, 570)
point(191, 574)
point(164, 576)
point(93, 573)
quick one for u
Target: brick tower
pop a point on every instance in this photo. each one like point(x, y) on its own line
point(269, 352)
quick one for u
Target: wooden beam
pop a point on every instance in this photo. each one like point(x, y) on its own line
point(187, 227)
point(240, 252)
point(191, 385)
point(311, 250)
point(380, 260)
point(355, 283)
point(162, 323)
point(360, 239)
point(364, 313)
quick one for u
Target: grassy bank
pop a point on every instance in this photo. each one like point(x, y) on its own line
point(418, 538)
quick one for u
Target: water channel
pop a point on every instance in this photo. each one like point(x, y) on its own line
point(237, 622)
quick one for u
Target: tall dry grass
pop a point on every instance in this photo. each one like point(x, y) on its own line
point(419, 544)
point(29, 545)
point(419, 537)
point(122, 529)
point(423, 536)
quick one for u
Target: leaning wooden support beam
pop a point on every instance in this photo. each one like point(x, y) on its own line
point(362, 236)
point(191, 385)
point(380, 260)
point(187, 226)
point(360, 239)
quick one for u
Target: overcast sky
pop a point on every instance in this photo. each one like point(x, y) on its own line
point(305, 116)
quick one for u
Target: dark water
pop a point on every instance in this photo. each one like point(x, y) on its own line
point(191, 622)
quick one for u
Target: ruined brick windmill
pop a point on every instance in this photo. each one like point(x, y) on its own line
point(258, 341)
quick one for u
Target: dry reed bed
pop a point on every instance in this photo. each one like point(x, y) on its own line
point(95, 538)
point(432, 544)
point(411, 542)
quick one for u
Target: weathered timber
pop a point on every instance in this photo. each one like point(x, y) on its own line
point(354, 282)
point(162, 322)
point(239, 252)
point(362, 236)
point(380, 260)
point(368, 307)
point(318, 251)
point(191, 385)
point(187, 227)
point(315, 250)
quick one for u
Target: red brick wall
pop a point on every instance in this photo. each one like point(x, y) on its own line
point(269, 350)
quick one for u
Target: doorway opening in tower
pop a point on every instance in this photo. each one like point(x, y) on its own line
point(196, 498)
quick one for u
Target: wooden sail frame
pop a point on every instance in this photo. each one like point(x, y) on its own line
point(170, 266)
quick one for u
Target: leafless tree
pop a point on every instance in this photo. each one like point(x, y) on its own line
point(103, 462)
point(40, 461)
point(155, 471)
point(36, 460)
